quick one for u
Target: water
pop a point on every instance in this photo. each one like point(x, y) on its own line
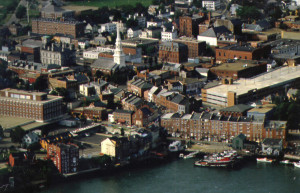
point(182, 177)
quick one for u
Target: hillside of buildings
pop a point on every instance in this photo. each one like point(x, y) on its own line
point(116, 84)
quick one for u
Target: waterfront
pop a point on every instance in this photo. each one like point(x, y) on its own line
point(182, 177)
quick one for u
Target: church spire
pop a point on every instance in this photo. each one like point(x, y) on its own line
point(119, 56)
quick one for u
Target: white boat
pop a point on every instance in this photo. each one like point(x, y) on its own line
point(191, 155)
point(285, 161)
point(264, 160)
point(297, 164)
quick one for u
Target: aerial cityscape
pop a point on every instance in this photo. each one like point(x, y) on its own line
point(149, 96)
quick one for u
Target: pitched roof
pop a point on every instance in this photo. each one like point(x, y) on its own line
point(104, 63)
point(123, 111)
point(215, 31)
point(241, 136)
point(270, 141)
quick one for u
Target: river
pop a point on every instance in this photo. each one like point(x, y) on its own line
point(181, 176)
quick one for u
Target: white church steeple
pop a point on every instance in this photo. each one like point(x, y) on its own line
point(119, 56)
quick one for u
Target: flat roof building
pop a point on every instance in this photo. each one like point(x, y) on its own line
point(246, 90)
point(33, 105)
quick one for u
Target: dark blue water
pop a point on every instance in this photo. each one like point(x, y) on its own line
point(182, 177)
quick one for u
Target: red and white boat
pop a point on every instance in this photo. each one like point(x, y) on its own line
point(225, 159)
point(264, 160)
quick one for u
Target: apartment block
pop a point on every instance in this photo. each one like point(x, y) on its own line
point(213, 127)
point(54, 26)
point(32, 105)
point(64, 156)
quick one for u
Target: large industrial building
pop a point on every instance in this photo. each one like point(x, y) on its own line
point(246, 90)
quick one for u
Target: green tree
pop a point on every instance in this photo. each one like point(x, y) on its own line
point(98, 74)
point(21, 11)
point(131, 23)
point(150, 50)
point(197, 3)
point(177, 14)
point(17, 134)
point(40, 83)
point(155, 2)
point(248, 12)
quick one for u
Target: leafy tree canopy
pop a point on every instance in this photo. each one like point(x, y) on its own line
point(248, 12)
point(21, 11)
point(17, 134)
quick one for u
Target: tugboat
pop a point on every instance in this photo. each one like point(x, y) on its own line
point(226, 159)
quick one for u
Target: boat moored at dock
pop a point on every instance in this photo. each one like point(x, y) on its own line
point(297, 164)
point(264, 160)
point(226, 159)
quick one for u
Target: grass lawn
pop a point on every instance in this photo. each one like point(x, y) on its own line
point(110, 3)
point(7, 2)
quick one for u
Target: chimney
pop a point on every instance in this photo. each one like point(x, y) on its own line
point(209, 16)
point(212, 61)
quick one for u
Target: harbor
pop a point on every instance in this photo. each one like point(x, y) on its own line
point(182, 176)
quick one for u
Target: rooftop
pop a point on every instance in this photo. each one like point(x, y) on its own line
point(236, 66)
point(280, 76)
point(237, 47)
point(237, 108)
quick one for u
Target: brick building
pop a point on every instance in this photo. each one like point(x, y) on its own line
point(32, 105)
point(173, 52)
point(195, 48)
point(236, 110)
point(212, 127)
point(64, 156)
point(239, 69)
point(173, 101)
point(242, 51)
point(138, 87)
point(23, 67)
point(132, 103)
point(91, 112)
point(68, 82)
point(143, 116)
point(15, 28)
point(56, 54)
point(123, 116)
point(53, 26)
point(188, 25)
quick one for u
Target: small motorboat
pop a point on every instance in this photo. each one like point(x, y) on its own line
point(285, 161)
point(297, 164)
point(264, 160)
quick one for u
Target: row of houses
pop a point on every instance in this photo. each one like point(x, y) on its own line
point(214, 127)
